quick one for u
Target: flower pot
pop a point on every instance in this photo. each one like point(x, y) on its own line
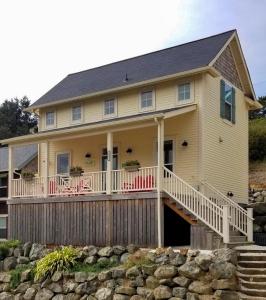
point(75, 173)
point(133, 168)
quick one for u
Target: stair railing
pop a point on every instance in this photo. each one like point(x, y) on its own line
point(195, 202)
point(240, 219)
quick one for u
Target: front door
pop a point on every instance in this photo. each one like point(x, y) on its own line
point(169, 154)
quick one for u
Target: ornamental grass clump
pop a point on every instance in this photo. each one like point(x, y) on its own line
point(61, 259)
point(6, 245)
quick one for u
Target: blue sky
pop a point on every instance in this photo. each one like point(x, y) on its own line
point(43, 41)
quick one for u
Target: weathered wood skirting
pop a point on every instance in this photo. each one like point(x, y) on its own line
point(93, 220)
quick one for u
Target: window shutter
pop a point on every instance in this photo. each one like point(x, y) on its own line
point(233, 106)
point(222, 95)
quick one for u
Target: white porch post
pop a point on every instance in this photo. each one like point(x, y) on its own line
point(250, 224)
point(10, 171)
point(109, 163)
point(226, 224)
point(46, 171)
point(160, 159)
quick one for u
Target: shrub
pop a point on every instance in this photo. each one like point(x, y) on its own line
point(16, 275)
point(6, 245)
point(257, 139)
point(138, 259)
point(59, 260)
point(95, 268)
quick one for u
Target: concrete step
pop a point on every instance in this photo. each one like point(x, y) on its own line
point(251, 249)
point(234, 245)
point(253, 292)
point(252, 285)
point(251, 278)
point(248, 297)
point(251, 271)
point(248, 256)
point(238, 239)
point(252, 264)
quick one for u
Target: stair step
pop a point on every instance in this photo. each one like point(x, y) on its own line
point(251, 271)
point(239, 239)
point(251, 278)
point(252, 264)
point(252, 257)
point(251, 249)
point(253, 292)
point(252, 285)
point(248, 297)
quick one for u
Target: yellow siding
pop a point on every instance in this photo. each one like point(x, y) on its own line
point(127, 103)
point(224, 164)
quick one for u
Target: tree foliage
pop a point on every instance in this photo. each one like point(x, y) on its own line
point(14, 121)
point(259, 113)
point(257, 139)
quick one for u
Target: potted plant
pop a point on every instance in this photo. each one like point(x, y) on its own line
point(131, 165)
point(27, 175)
point(76, 171)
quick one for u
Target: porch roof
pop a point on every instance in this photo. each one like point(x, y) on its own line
point(104, 126)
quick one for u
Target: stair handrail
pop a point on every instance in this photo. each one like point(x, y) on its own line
point(208, 212)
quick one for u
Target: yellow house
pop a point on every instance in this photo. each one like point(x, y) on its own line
point(151, 150)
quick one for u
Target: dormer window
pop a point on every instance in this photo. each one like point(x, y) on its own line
point(147, 100)
point(109, 109)
point(50, 119)
point(76, 113)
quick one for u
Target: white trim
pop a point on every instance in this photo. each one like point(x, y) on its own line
point(70, 161)
point(80, 121)
point(110, 116)
point(153, 106)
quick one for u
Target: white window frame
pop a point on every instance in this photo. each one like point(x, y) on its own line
point(81, 114)
point(113, 115)
point(56, 156)
point(191, 94)
point(149, 108)
point(49, 126)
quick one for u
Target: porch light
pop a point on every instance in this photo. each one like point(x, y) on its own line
point(88, 155)
point(230, 194)
point(129, 150)
point(185, 143)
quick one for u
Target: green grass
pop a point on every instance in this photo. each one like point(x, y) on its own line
point(95, 268)
point(16, 275)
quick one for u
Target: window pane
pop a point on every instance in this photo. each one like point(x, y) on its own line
point(184, 91)
point(2, 222)
point(228, 93)
point(146, 99)
point(50, 118)
point(62, 163)
point(109, 107)
point(76, 113)
point(168, 154)
point(228, 111)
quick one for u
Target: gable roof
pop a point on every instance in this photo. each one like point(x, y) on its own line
point(181, 58)
point(22, 156)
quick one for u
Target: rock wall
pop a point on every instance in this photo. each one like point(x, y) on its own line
point(140, 274)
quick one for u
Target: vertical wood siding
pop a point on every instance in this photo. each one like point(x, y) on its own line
point(99, 222)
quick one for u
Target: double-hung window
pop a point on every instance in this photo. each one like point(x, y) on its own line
point(184, 92)
point(147, 100)
point(63, 163)
point(227, 109)
point(76, 113)
point(109, 108)
point(50, 119)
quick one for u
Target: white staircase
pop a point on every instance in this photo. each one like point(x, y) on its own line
point(218, 212)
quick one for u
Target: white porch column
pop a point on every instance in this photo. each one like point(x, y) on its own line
point(109, 163)
point(160, 159)
point(226, 224)
point(10, 171)
point(46, 170)
point(250, 224)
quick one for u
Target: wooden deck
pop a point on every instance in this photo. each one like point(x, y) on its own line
point(86, 220)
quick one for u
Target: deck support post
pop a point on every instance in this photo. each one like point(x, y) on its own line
point(160, 159)
point(226, 224)
point(10, 171)
point(46, 171)
point(250, 224)
point(109, 163)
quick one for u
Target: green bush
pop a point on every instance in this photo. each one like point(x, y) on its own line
point(95, 268)
point(59, 260)
point(6, 245)
point(16, 275)
point(257, 139)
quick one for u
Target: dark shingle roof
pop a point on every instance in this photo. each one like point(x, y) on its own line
point(22, 156)
point(165, 62)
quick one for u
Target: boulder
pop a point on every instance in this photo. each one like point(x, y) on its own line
point(103, 260)
point(138, 281)
point(55, 287)
point(226, 295)
point(125, 290)
point(9, 263)
point(25, 275)
point(72, 296)
point(82, 288)
point(23, 260)
point(69, 286)
point(192, 296)
point(120, 297)
point(36, 252)
point(180, 292)
point(105, 275)
point(57, 276)
point(132, 248)
point(118, 272)
point(136, 297)
point(81, 276)
point(222, 270)
point(203, 261)
point(226, 254)
point(190, 270)
point(182, 281)
point(200, 287)
point(104, 294)
point(145, 293)
point(133, 272)
point(105, 252)
point(178, 260)
point(162, 292)
point(18, 251)
point(6, 296)
point(224, 284)
point(22, 287)
point(165, 271)
point(119, 250)
point(30, 294)
point(44, 294)
point(148, 269)
point(5, 277)
point(26, 249)
point(90, 260)
point(124, 257)
point(152, 282)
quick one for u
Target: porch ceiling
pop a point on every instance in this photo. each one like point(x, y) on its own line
point(101, 127)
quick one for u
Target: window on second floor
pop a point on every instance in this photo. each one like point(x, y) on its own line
point(76, 113)
point(50, 119)
point(184, 92)
point(146, 100)
point(227, 109)
point(109, 109)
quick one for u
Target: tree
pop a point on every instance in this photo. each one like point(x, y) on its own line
point(14, 121)
point(259, 113)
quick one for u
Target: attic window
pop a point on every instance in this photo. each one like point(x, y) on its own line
point(50, 118)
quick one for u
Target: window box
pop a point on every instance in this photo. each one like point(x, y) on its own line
point(27, 176)
point(131, 166)
point(76, 171)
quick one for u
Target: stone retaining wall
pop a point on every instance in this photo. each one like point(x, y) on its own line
point(139, 274)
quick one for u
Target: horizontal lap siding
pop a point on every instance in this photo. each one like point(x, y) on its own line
point(88, 222)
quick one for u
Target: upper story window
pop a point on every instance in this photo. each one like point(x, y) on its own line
point(76, 113)
point(50, 119)
point(147, 100)
point(109, 109)
point(184, 92)
point(227, 109)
